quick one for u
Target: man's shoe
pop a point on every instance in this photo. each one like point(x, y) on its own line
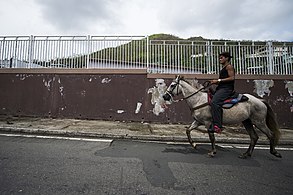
point(217, 129)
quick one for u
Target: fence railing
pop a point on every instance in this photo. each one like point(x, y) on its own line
point(140, 52)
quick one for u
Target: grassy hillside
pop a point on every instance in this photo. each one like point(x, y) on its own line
point(163, 49)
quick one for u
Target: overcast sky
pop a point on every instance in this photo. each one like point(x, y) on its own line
point(215, 19)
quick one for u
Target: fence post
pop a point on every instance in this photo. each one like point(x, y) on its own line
point(88, 51)
point(270, 57)
point(285, 56)
point(147, 53)
point(239, 65)
point(208, 57)
point(30, 50)
point(14, 56)
point(179, 65)
point(165, 59)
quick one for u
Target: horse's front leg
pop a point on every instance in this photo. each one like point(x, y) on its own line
point(213, 142)
point(193, 126)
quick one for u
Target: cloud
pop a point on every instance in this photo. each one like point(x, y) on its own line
point(215, 19)
point(247, 19)
point(76, 15)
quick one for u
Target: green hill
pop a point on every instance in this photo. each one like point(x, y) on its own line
point(163, 47)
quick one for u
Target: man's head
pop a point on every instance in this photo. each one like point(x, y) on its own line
point(225, 57)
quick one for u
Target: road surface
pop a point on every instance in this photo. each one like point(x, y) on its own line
point(58, 165)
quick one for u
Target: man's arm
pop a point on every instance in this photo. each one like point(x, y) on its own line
point(231, 73)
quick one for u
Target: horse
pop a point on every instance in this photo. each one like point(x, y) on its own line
point(251, 113)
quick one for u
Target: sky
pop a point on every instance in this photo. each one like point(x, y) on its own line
point(212, 19)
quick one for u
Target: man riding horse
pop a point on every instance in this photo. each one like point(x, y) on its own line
point(248, 110)
point(224, 90)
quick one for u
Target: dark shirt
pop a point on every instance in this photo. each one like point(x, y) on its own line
point(226, 84)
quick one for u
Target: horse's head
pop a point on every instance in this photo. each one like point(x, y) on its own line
point(173, 89)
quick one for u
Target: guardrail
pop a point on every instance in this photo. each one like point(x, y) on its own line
point(203, 56)
point(140, 52)
point(72, 52)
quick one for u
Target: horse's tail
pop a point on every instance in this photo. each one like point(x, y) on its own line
point(272, 123)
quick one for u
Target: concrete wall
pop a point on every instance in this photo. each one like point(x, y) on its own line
point(119, 95)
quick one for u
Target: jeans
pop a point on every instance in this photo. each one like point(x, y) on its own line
point(216, 104)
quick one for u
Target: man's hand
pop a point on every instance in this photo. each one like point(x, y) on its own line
point(214, 81)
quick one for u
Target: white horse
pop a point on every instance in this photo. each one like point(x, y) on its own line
point(253, 112)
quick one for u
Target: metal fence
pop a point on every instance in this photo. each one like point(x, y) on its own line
point(203, 56)
point(72, 52)
point(142, 52)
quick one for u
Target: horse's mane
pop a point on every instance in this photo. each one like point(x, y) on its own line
point(193, 82)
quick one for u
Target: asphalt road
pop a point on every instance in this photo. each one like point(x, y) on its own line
point(61, 166)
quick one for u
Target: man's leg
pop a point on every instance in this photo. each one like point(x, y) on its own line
point(216, 105)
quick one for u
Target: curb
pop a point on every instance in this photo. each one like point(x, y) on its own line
point(163, 138)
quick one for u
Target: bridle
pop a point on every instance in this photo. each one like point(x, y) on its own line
point(170, 93)
point(206, 84)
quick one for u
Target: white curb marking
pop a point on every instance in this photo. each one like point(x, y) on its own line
point(256, 147)
point(231, 146)
point(57, 137)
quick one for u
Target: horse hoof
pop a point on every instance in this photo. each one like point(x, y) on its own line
point(244, 156)
point(277, 154)
point(211, 154)
point(193, 145)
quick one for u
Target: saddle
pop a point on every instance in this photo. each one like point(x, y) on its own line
point(230, 101)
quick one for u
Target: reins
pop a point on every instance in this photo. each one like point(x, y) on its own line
point(200, 106)
point(206, 84)
point(204, 87)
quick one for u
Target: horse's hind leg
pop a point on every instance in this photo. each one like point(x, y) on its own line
point(193, 126)
point(273, 150)
point(264, 128)
point(253, 138)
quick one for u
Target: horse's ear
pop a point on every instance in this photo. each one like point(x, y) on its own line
point(178, 77)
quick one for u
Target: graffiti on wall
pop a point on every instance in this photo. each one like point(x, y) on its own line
point(289, 86)
point(262, 87)
point(157, 96)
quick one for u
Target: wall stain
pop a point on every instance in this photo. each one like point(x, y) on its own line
point(157, 96)
point(289, 86)
point(262, 87)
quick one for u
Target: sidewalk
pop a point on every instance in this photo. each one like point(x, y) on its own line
point(127, 130)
